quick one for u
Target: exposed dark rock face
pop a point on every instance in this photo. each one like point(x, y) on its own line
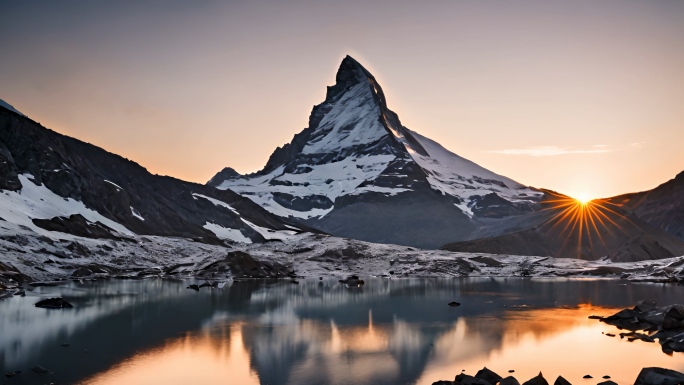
point(662, 207)
point(226, 173)
point(77, 225)
point(119, 189)
point(243, 265)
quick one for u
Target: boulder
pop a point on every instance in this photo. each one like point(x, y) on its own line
point(53, 303)
point(488, 375)
point(561, 381)
point(453, 304)
point(510, 380)
point(464, 379)
point(538, 380)
point(659, 376)
point(352, 280)
point(645, 305)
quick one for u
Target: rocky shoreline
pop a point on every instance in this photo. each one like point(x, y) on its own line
point(647, 376)
point(647, 322)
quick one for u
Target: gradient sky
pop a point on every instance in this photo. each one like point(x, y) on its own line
point(586, 98)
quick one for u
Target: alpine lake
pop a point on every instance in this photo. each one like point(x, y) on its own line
point(386, 331)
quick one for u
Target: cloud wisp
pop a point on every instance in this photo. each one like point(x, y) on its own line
point(554, 150)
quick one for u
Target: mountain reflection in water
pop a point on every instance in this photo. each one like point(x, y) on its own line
point(321, 332)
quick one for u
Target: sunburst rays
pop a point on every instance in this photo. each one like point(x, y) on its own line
point(580, 226)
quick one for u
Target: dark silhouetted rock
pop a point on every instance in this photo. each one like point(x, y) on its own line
point(488, 376)
point(587, 376)
point(659, 376)
point(464, 379)
point(538, 380)
point(561, 381)
point(510, 380)
point(454, 304)
point(193, 287)
point(609, 382)
point(53, 303)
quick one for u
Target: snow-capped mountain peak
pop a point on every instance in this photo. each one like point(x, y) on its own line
point(356, 152)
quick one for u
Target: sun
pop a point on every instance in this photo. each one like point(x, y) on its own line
point(583, 198)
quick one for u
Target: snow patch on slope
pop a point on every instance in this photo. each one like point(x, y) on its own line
point(457, 176)
point(332, 180)
point(266, 233)
point(136, 214)
point(225, 233)
point(41, 203)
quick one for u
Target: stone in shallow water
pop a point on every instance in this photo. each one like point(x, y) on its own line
point(464, 379)
point(561, 381)
point(488, 375)
point(53, 303)
point(609, 382)
point(659, 376)
point(40, 369)
point(510, 380)
point(453, 304)
point(538, 380)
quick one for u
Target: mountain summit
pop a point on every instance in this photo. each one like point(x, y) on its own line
point(357, 172)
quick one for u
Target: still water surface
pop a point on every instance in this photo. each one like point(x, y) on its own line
point(321, 332)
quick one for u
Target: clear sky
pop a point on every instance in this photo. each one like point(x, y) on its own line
point(583, 97)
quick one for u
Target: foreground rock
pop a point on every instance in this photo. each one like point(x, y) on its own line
point(659, 376)
point(665, 324)
point(647, 376)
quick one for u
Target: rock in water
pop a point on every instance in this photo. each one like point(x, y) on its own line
point(561, 381)
point(464, 379)
point(488, 375)
point(53, 303)
point(587, 376)
point(454, 304)
point(40, 369)
point(193, 287)
point(352, 280)
point(443, 382)
point(539, 380)
point(609, 382)
point(659, 376)
point(645, 305)
point(510, 380)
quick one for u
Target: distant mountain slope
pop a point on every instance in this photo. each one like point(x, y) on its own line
point(662, 207)
point(357, 172)
point(567, 229)
point(73, 185)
